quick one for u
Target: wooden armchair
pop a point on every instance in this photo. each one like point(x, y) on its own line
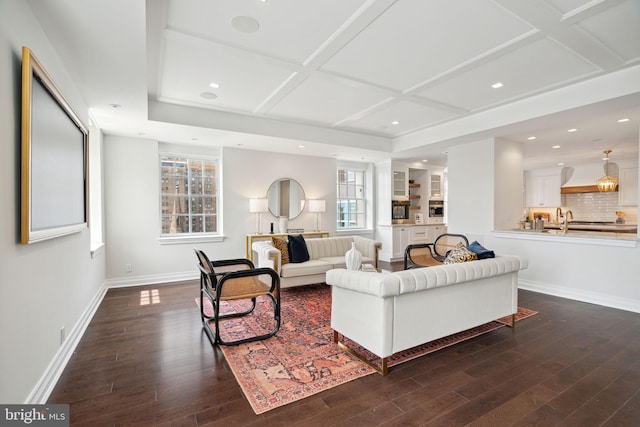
point(236, 279)
point(430, 254)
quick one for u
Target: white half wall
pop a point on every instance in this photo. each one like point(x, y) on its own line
point(571, 268)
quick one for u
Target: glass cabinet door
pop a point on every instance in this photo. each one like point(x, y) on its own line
point(399, 183)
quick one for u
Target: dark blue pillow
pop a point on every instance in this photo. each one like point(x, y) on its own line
point(298, 251)
point(481, 251)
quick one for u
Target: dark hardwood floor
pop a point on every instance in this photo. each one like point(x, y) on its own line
point(144, 360)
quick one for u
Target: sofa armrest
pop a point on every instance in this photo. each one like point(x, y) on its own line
point(368, 247)
point(266, 255)
point(377, 284)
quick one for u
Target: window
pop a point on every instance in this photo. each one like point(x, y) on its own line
point(189, 195)
point(351, 203)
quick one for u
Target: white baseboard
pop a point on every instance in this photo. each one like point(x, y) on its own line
point(581, 295)
point(41, 392)
point(122, 282)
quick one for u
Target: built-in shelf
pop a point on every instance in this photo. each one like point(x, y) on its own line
point(414, 207)
point(414, 185)
point(414, 196)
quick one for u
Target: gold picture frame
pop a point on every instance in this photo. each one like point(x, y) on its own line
point(54, 164)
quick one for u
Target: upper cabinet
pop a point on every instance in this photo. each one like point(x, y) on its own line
point(436, 186)
point(400, 183)
point(542, 189)
point(628, 187)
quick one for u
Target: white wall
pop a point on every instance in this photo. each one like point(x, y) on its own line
point(577, 269)
point(48, 285)
point(132, 205)
point(471, 188)
point(508, 184)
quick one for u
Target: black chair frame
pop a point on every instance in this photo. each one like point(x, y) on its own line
point(433, 250)
point(212, 286)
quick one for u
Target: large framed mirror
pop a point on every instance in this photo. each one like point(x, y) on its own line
point(286, 198)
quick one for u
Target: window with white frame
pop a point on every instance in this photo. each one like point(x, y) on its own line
point(188, 195)
point(351, 200)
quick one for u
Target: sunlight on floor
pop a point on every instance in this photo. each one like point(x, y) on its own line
point(149, 297)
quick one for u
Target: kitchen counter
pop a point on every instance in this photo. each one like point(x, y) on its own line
point(594, 226)
point(602, 238)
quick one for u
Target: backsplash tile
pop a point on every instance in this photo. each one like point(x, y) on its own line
point(596, 207)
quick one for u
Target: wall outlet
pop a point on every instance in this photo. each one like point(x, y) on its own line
point(128, 268)
point(63, 335)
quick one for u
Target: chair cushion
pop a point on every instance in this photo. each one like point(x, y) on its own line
point(480, 250)
point(298, 251)
point(460, 254)
point(281, 244)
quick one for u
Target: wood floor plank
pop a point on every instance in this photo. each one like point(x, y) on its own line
point(147, 363)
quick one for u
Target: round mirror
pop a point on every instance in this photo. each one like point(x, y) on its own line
point(286, 198)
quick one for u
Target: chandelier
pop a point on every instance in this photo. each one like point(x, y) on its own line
point(607, 183)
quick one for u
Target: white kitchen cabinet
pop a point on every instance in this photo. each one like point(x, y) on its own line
point(542, 191)
point(628, 187)
point(435, 185)
point(433, 231)
point(419, 234)
point(400, 183)
point(401, 238)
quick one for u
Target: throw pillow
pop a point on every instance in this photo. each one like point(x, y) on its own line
point(281, 244)
point(459, 254)
point(481, 251)
point(298, 251)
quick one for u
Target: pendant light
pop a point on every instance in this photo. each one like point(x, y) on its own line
point(607, 183)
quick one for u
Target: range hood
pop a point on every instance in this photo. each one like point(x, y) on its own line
point(582, 179)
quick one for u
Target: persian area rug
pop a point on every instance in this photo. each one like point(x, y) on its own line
point(301, 359)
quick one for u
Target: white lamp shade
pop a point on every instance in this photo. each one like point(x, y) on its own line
point(258, 205)
point(317, 206)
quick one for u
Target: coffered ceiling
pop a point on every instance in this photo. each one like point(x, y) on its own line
point(357, 79)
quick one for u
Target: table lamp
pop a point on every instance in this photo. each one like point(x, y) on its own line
point(317, 207)
point(258, 206)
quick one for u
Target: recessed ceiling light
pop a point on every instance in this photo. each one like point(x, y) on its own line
point(245, 24)
point(395, 122)
point(425, 161)
point(208, 95)
point(214, 85)
point(497, 85)
point(531, 138)
point(572, 130)
point(556, 146)
point(115, 106)
point(623, 120)
point(300, 146)
point(560, 164)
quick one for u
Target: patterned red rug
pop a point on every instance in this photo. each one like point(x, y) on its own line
point(301, 359)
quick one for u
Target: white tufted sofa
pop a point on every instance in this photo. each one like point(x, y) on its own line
point(324, 253)
point(388, 313)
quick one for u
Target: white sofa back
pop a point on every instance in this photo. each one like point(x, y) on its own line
point(338, 246)
point(418, 279)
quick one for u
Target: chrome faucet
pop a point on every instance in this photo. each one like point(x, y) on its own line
point(565, 228)
point(558, 215)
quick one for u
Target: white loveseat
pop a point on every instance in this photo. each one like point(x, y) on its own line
point(388, 313)
point(324, 254)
